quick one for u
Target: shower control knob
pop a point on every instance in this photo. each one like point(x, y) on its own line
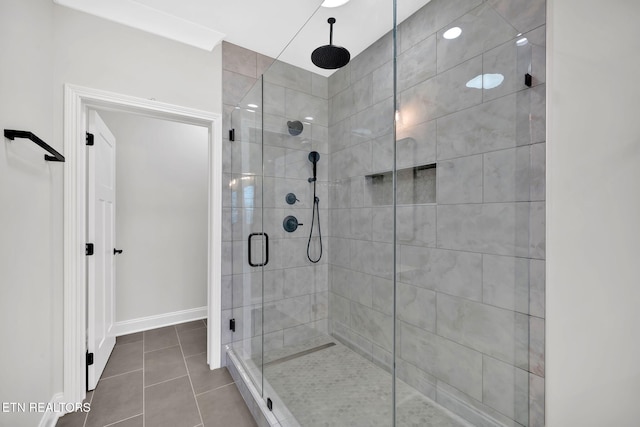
point(291, 224)
point(291, 198)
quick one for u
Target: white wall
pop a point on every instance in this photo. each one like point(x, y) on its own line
point(96, 53)
point(161, 215)
point(30, 214)
point(593, 214)
point(43, 46)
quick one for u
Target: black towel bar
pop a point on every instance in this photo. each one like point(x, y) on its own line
point(11, 134)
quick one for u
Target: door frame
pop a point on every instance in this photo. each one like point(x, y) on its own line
point(77, 101)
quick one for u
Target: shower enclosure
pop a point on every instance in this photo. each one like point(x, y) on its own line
point(418, 296)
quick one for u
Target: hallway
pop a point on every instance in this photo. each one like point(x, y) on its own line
point(161, 378)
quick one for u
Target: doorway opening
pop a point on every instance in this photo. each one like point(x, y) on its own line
point(78, 102)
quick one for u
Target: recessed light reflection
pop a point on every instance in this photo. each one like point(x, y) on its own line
point(452, 33)
point(333, 3)
point(251, 111)
point(308, 118)
point(252, 106)
point(523, 41)
point(485, 81)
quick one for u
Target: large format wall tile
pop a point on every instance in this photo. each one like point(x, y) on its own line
point(460, 180)
point(536, 401)
point(511, 60)
point(537, 177)
point(416, 145)
point(530, 120)
point(417, 63)
point(416, 378)
point(506, 176)
point(300, 105)
point(382, 153)
point(235, 87)
point(374, 121)
point(482, 29)
point(373, 325)
point(471, 408)
point(537, 288)
point(273, 100)
point(470, 269)
point(319, 86)
point(382, 82)
point(456, 364)
point(351, 339)
point(382, 292)
point(505, 282)
point(431, 18)
point(500, 333)
point(524, 15)
point(289, 76)
point(416, 306)
point(374, 56)
point(360, 219)
point(487, 127)
point(415, 225)
point(536, 346)
point(495, 228)
point(340, 80)
point(239, 60)
point(537, 246)
point(452, 272)
point(506, 389)
point(443, 94)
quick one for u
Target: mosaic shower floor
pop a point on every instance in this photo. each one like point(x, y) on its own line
point(334, 386)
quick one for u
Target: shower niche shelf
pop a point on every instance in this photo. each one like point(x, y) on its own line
point(415, 186)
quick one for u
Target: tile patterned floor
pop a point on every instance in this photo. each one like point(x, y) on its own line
point(337, 387)
point(160, 378)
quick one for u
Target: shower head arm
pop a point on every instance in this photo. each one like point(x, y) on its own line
point(331, 21)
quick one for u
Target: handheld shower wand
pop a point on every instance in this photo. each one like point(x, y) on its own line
point(314, 157)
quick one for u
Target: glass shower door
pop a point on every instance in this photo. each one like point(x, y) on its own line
point(470, 212)
point(250, 248)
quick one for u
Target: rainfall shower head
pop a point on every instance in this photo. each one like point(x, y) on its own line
point(330, 57)
point(295, 127)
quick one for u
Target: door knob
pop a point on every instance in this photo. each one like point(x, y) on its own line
point(117, 251)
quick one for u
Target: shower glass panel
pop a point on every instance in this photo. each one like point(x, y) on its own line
point(470, 211)
point(249, 242)
point(402, 279)
point(328, 321)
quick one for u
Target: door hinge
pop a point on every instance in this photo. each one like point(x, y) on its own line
point(269, 404)
point(232, 324)
point(89, 138)
point(89, 359)
point(88, 249)
point(232, 134)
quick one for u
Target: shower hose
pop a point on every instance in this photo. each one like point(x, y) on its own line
point(315, 212)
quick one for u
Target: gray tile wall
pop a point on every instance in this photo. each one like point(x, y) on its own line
point(295, 290)
point(470, 292)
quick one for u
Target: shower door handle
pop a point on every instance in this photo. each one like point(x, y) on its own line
point(266, 238)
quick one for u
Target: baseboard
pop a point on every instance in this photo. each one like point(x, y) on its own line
point(50, 418)
point(158, 321)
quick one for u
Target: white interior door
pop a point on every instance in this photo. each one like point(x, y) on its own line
point(101, 194)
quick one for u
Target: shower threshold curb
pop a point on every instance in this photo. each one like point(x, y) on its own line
point(257, 405)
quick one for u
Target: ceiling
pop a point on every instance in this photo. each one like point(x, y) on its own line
point(285, 29)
